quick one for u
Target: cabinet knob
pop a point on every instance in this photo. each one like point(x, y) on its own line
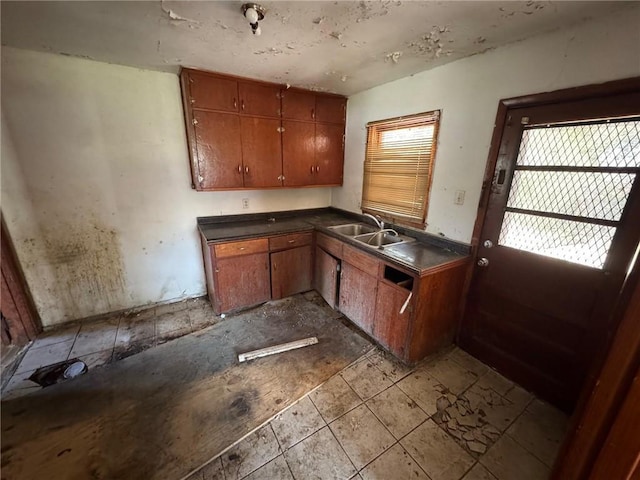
point(246, 170)
point(317, 168)
point(235, 103)
point(193, 100)
point(195, 121)
point(292, 241)
point(280, 129)
point(239, 168)
point(311, 168)
point(242, 105)
point(313, 113)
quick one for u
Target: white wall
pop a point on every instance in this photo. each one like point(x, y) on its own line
point(96, 187)
point(468, 91)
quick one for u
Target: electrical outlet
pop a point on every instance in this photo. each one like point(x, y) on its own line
point(459, 197)
point(245, 203)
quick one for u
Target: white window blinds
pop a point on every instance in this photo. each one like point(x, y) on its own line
point(398, 167)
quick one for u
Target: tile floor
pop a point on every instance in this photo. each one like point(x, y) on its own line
point(100, 342)
point(449, 418)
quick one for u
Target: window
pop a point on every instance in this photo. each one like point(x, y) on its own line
point(398, 167)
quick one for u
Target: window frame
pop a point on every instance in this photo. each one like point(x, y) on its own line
point(375, 128)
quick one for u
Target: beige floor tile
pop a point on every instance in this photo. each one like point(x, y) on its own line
point(95, 337)
point(250, 454)
point(172, 325)
point(202, 317)
point(456, 378)
point(297, 423)
point(319, 457)
point(41, 357)
point(394, 463)
point(276, 469)
point(495, 382)
point(396, 411)
point(334, 398)
point(361, 435)
point(496, 410)
point(97, 359)
point(392, 368)
point(436, 452)
point(478, 472)
point(211, 471)
point(467, 361)
point(540, 429)
point(171, 307)
point(507, 461)
point(365, 379)
point(133, 330)
point(46, 339)
point(422, 389)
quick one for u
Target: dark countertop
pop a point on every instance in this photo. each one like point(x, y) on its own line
point(419, 256)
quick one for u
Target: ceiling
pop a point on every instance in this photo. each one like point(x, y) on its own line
point(343, 47)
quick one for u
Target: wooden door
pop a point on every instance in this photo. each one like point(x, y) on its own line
point(298, 153)
point(326, 276)
point(291, 272)
point(213, 93)
point(242, 281)
point(261, 152)
point(331, 109)
point(358, 292)
point(259, 99)
point(219, 150)
point(391, 328)
point(298, 105)
point(559, 235)
point(329, 158)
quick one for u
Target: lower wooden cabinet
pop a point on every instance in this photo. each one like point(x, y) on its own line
point(242, 281)
point(291, 272)
point(358, 292)
point(326, 276)
point(245, 273)
point(391, 324)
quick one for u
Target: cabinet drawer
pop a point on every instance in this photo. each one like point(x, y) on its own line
point(244, 247)
point(359, 259)
point(330, 245)
point(290, 241)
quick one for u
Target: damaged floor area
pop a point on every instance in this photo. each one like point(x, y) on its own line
point(166, 411)
point(341, 409)
point(449, 418)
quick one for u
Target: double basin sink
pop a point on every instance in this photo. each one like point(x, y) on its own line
point(370, 236)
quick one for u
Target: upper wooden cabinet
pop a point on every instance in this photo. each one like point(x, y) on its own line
point(212, 92)
point(259, 99)
point(245, 134)
point(331, 109)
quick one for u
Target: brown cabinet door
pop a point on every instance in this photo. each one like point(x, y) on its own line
point(392, 327)
point(291, 272)
point(298, 153)
point(326, 276)
point(213, 92)
point(298, 105)
point(358, 296)
point(242, 281)
point(258, 99)
point(261, 152)
point(329, 154)
point(219, 150)
point(331, 109)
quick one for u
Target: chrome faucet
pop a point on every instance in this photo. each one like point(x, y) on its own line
point(376, 219)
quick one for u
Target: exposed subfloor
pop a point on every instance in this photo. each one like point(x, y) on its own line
point(448, 418)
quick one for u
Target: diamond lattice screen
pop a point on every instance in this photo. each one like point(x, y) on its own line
point(569, 189)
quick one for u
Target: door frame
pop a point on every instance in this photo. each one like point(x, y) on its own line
point(28, 325)
point(579, 450)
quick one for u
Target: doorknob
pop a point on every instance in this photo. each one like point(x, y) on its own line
point(483, 262)
point(488, 244)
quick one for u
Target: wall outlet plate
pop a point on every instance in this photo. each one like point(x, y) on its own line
point(245, 203)
point(458, 199)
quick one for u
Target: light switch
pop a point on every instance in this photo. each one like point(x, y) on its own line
point(459, 197)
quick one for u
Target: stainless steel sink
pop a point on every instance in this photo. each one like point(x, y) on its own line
point(353, 229)
point(380, 239)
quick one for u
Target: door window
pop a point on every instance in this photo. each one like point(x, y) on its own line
point(570, 187)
